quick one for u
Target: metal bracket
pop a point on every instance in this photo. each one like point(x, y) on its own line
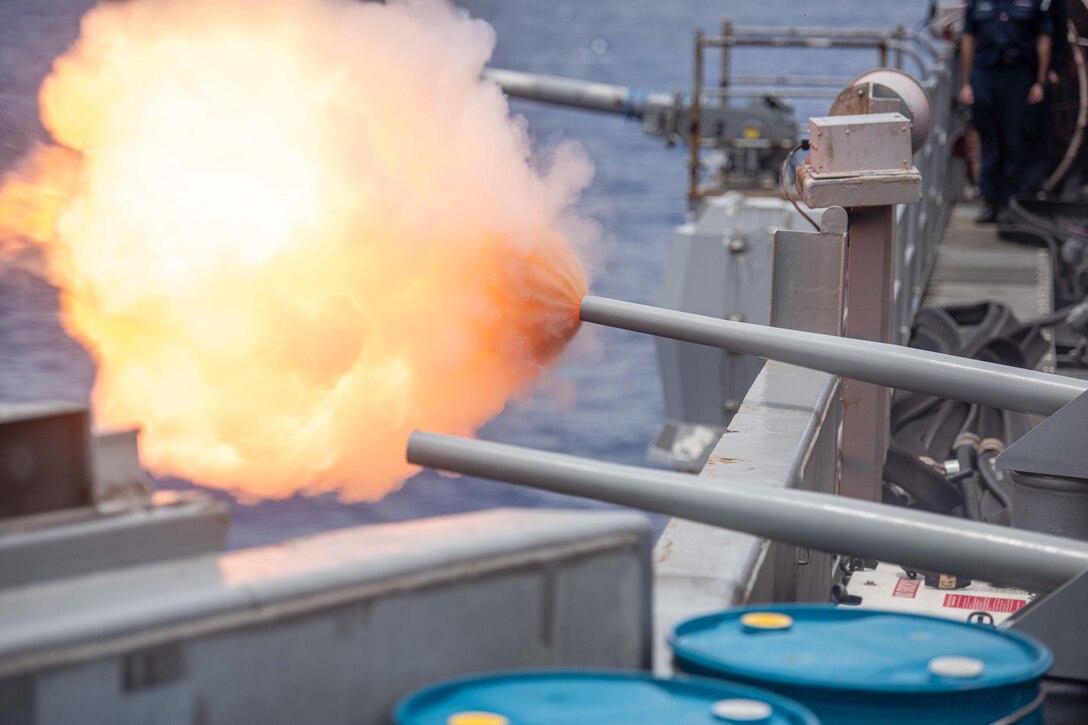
point(858, 190)
point(1056, 447)
point(808, 274)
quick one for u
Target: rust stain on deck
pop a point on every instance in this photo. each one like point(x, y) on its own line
point(666, 552)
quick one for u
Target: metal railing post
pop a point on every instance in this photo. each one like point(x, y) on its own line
point(870, 290)
point(696, 120)
point(850, 166)
point(727, 50)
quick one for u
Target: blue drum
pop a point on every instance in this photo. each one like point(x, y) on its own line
point(592, 697)
point(862, 666)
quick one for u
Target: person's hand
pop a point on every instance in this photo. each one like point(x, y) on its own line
point(1036, 93)
point(1052, 77)
point(967, 96)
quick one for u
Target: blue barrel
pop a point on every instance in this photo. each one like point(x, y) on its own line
point(595, 697)
point(863, 666)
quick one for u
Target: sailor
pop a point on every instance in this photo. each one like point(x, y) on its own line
point(1040, 141)
point(1005, 52)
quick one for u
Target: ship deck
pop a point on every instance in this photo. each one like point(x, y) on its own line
point(973, 264)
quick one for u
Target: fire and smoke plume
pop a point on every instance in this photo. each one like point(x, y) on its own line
point(291, 231)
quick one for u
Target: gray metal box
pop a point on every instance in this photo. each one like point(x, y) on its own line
point(45, 458)
point(873, 142)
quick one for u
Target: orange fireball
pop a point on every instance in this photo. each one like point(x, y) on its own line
point(291, 232)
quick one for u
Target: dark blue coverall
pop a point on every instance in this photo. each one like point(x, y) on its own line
point(1002, 73)
point(1040, 141)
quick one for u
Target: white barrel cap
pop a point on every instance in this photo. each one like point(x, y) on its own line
point(738, 710)
point(960, 668)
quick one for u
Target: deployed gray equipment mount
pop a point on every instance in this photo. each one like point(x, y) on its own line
point(662, 114)
point(757, 135)
point(879, 363)
point(820, 521)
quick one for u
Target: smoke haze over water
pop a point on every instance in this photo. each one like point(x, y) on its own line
point(291, 232)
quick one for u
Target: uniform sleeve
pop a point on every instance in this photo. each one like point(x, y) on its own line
point(1043, 23)
point(970, 22)
point(1059, 51)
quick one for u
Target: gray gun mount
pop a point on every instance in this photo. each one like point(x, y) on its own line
point(753, 139)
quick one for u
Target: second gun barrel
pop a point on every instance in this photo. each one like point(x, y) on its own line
point(893, 366)
point(821, 521)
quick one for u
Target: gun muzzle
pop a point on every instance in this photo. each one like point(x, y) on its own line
point(893, 366)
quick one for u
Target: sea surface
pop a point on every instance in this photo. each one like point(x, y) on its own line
point(637, 195)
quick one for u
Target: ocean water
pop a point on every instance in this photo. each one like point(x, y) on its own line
point(637, 196)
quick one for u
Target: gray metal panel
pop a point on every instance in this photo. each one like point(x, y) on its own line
point(349, 663)
point(693, 281)
point(807, 294)
point(719, 266)
point(119, 478)
point(470, 592)
point(45, 458)
point(80, 541)
point(1057, 621)
point(1056, 447)
point(807, 276)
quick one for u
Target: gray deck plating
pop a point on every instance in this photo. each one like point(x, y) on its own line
point(973, 264)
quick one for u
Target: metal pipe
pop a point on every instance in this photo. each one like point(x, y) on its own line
point(781, 91)
point(727, 31)
point(695, 121)
point(893, 366)
point(882, 45)
point(576, 93)
point(820, 521)
point(811, 32)
point(839, 82)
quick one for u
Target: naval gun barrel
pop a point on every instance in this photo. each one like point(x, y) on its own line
point(893, 366)
point(1014, 557)
point(604, 97)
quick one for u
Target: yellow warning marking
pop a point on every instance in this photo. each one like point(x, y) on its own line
point(476, 718)
point(766, 620)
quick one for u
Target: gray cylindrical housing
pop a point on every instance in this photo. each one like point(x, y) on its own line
point(820, 521)
point(1051, 504)
point(893, 366)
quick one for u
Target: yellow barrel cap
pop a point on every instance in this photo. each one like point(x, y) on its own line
point(766, 621)
point(477, 718)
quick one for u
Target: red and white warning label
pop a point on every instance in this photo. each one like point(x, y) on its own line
point(906, 588)
point(975, 603)
point(888, 588)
